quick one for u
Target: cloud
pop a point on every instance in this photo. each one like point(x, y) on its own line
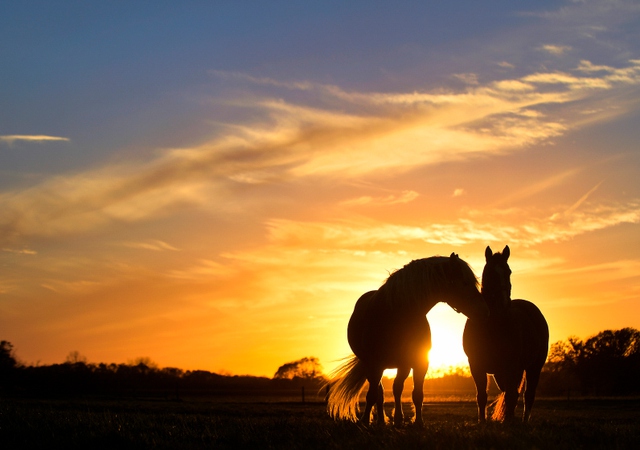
point(506, 65)
point(582, 199)
point(590, 17)
point(393, 199)
point(366, 235)
point(295, 85)
point(611, 77)
point(556, 50)
point(568, 80)
point(154, 245)
point(518, 226)
point(368, 134)
point(467, 78)
point(204, 269)
point(72, 287)
point(529, 229)
point(11, 139)
point(536, 188)
point(607, 271)
point(24, 251)
point(596, 281)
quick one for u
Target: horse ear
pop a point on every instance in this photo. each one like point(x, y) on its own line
point(506, 252)
point(454, 256)
point(488, 253)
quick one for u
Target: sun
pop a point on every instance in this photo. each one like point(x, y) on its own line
point(446, 353)
point(446, 337)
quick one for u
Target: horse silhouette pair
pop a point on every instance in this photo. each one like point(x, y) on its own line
point(389, 330)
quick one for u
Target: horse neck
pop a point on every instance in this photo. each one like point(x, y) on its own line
point(493, 301)
point(429, 304)
point(418, 305)
point(428, 300)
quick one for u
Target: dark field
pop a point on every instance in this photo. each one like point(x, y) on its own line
point(556, 424)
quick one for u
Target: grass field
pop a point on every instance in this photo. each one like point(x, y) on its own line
point(556, 424)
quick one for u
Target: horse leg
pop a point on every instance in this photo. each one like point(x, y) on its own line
point(418, 392)
point(533, 377)
point(398, 386)
point(511, 395)
point(380, 404)
point(481, 380)
point(508, 383)
point(373, 393)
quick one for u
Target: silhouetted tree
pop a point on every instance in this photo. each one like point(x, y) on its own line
point(607, 363)
point(144, 362)
point(7, 360)
point(75, 357)
point(8, 363)
point(308, 368)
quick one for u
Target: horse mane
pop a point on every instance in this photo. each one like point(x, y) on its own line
point(421, 279)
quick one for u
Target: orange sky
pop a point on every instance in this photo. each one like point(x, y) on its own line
point(238, 236)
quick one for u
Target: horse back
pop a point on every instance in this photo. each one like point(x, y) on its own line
point(533, 329)
point(521, 337)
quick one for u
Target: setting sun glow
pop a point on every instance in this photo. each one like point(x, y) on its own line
point(215, 189)
point(446, 335)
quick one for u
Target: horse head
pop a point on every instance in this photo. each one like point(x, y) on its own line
point(496, 280)
point(464, 296)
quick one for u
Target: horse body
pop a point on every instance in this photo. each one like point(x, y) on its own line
point(385, 339)
point(389, 330)
point(511, 344)
point(377, 332)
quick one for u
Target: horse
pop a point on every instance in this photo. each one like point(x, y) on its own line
point(388, 329)
point(511, 343)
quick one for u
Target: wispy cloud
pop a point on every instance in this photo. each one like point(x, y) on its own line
point(580, 201)
point(467, 78)
point(12, 138)
point(538, 187)
point(73, 287)
point(373, 133)
point(24, 251)
point(506, 65)
point(533, 229)
point(393, 199)
point(154, 245)
point(556, 50)
point(517, 226)
point(203, 270)
point(363, 234)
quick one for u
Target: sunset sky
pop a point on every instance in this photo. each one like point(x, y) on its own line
point(212, 185)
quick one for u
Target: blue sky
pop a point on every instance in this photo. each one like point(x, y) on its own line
point(164, 168)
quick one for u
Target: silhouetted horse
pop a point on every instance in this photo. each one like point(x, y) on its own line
point(389, 330)
point(512, 341)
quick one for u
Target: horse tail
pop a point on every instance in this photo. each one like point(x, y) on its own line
point(523, 383)
point(500, 405)
point(499, 408)
point(344, 389)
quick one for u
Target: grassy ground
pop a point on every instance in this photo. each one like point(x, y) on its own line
point(577, 424)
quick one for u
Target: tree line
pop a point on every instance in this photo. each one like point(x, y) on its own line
point(607, 363)
point(76, 377)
